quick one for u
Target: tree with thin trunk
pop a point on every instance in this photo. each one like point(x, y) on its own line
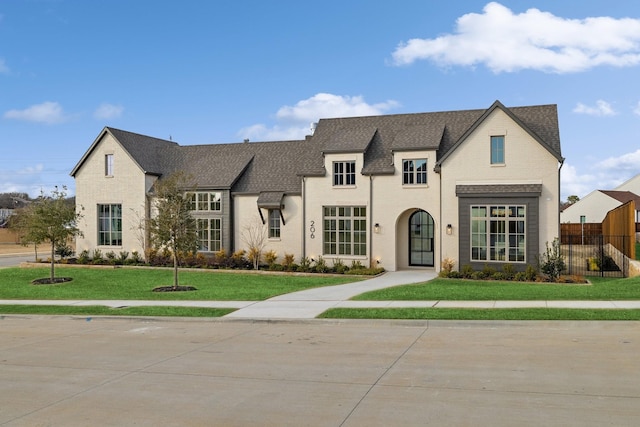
point(173, 227)
point(49, 218)
point(254, 236)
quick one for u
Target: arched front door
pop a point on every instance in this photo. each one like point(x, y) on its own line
point(421, 235)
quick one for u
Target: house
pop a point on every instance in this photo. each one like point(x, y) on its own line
point(593, 208)
point(397, 191)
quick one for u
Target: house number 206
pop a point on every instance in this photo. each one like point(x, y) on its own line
point(312, 230)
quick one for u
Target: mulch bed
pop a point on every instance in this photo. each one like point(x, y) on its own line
point(48, 281)
point(174, 289)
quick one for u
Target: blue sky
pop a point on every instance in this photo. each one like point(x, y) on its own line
point(210, 72)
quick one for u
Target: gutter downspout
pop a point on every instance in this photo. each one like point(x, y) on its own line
point(304, 217)
point(559, 197)
point(371, 260)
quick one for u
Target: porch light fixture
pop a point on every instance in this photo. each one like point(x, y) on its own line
point(449, 229)
point(376, 228)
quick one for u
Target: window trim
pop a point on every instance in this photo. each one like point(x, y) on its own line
point(274, 224)
point(346, 176)
point(344, 227)
point(414, 173)
point(211, 242)
point(196, 201)
point(500, 232)
point(108, 165)
point(107, 237)
point(497, 152)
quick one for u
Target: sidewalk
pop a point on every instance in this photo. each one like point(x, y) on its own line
point(310, 303)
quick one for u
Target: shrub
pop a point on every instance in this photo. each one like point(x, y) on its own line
point(339, 267)
point(122, 257)
point(488, 271)
point(288, 262)
point(321, 266)
point(455, 275)
point(239, 259)
point(530, 273)
point(136, 258)
point(498, 276)
point(551, 262)
point(356, 265)
point(270, 258)
point(447, 265)
point(509, 271)
point(111, 257)
point(305, 264)
point(83, 258)
point(520, 276)
point(63, 251)
point(96, 258)
point(467, 271)
point(365, 271)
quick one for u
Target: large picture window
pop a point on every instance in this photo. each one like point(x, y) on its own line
point(498, 233)
point(344, 173)
point(206, 201)
point(344, 230)
point(414, 171)
point(110, 225)
point(209, 234)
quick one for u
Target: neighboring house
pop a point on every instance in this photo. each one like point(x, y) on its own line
point(593, 208)
point(397, 191)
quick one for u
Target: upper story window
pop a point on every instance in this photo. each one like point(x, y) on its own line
point(108, 165)
point(206, 201)
point(414, 171)
point(497, 150)
point(344, 173)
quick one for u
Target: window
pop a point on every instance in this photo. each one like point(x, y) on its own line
point(344, 173)
point(110, 225)
point(414, 171)
point(209, 234)
point(274, 224)
point(108, 165)
point(498, 233)
point(206, 201)
point(497, 150)
point(344, 230)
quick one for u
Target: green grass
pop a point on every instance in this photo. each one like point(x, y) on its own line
point(138, 283)
point(101, 310)
point(458, 289)
point(480, 314)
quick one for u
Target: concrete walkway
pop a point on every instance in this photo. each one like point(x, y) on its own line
point(310, 303)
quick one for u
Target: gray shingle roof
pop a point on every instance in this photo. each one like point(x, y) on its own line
point(259, 167)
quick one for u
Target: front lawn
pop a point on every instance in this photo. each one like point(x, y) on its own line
point(138, 283)
point(460, 290)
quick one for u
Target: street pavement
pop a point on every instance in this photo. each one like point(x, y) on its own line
point(72, 371)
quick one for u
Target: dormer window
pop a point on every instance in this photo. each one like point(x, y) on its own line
point(414, 172)
point(108, 165)
point(344, 173)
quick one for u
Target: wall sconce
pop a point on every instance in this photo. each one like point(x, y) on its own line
point(378, 261)
point(449, 229)
point(376, 228)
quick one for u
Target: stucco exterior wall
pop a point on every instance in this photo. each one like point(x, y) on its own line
point(594, 206)
point(320, 192)
point(391, 205)
point(126, 187)
point(526, 162)
point(246, 215)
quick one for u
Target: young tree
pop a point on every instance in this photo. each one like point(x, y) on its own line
point(254, 236)
point(174, 227)
point(49, 218)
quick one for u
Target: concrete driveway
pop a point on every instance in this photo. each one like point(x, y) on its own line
point(62, 371)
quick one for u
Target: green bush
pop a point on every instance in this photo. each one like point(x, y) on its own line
point(551, 262)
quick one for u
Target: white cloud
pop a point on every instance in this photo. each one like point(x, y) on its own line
point(294, 121)
point(47, 112)
point(108, 111)
point(602, 108)
point(636, 110)
point(507, 42)
point(604, 175)
point(4, 69)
